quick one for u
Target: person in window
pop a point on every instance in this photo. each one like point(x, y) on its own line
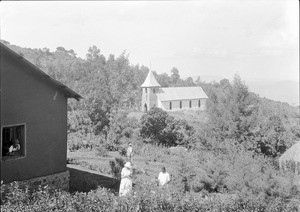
point(15, 147)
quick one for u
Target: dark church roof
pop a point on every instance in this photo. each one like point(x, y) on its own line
point(4, 50)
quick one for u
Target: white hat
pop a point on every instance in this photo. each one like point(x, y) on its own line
point(128, 165)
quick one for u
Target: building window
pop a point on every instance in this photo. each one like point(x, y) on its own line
point(170, 105)
point(199, 103)
point(13, 141)
point(180, 104)
point(190, 103)
point(145, 90)
point(153, 90)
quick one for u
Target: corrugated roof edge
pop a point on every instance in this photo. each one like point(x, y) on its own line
point(68, 91)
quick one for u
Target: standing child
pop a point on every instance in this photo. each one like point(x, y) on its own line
point(129, 153)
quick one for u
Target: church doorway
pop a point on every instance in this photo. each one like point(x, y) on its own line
point(145, 108)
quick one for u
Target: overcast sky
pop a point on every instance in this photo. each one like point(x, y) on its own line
point(256, 39)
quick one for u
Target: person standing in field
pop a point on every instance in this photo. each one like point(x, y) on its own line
point(126, 181)
point(129, 153)
point(163, 177)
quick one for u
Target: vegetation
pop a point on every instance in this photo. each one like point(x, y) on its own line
point(225, 162)
point(148, 198)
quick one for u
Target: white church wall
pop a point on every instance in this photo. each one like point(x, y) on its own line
point(203, 104)
point(165, 105)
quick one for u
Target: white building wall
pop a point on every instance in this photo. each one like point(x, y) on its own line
point(165, 105)
point(203, 104)
point(175, 105)
point(185, 104)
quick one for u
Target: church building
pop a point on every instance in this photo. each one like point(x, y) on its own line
point(171, 98)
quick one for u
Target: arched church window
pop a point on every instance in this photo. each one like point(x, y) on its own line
point(145, 90)
point(190, 103)
point(180, 104)
point(199, 103)
point(170, 105)
point(153, 90)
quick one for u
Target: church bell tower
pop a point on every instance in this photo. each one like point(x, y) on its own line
point(149, 89)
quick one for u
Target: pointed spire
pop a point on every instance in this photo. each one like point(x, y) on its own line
point(150, 81)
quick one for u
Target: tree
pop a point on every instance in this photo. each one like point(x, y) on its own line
point(233, 112)
point(177, 132)
point(153, 123)
point(94, 55)
point(270, 137)
point(175, 75)
point(189, 82)
point(163, 79)
point(163, 129)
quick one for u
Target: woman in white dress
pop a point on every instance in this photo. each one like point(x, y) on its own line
point(126, 181)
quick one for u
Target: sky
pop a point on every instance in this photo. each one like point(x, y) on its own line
point(257, 39)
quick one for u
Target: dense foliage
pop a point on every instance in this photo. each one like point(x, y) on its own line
point(149, 198)
point(158, 127)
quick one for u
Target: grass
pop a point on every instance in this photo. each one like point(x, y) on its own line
point(148, 169)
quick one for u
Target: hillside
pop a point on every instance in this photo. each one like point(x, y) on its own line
point(221, 159)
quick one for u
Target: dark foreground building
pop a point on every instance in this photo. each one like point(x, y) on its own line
point(33, 122)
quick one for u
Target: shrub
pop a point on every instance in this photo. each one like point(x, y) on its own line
point(161, 129)
point(122, 151)
point(127, 132)
point(120, 126)
point(101, 151)
point(153, 123)
point(146, 197)
point(77, 141)
point(116, 167)
point(110, 147)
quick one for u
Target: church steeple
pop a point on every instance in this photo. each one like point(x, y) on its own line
point(149, 89)
point(150, 81)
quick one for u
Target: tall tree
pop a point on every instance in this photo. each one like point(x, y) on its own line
point(175, 75)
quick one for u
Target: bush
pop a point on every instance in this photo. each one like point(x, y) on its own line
point(110, 147)
point(77, 141)
point(146, 197)
point(163, 129)
point(116, 167)
point(101, 151)
point(120, 126)
point(153, 123)
point(122, 151)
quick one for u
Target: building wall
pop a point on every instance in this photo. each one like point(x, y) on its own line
point(165, 105)
point(30, 99)
point(149, 98)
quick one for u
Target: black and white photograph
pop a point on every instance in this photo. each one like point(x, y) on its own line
point(150, 106)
